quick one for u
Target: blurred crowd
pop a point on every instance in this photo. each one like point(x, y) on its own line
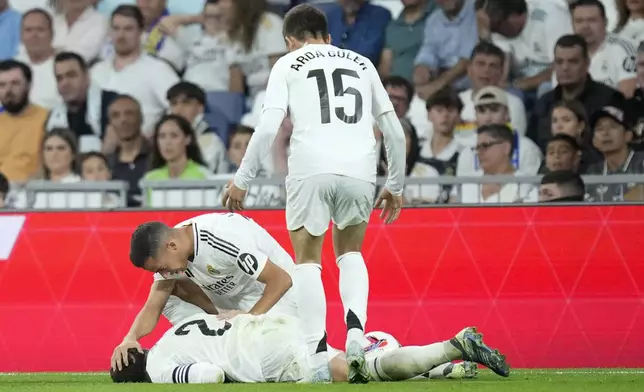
point(156, 90)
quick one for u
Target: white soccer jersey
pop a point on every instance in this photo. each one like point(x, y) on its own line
point(614, 61)
point(533, 50)
point(230, 253)
point(333, 96)
point(204, 349)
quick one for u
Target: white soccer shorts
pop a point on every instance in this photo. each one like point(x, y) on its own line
point(315, 201)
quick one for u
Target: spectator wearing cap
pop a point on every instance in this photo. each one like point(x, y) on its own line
point(132, 71)
point(4, 191)
point(612, 58)
point(635, 105)
point(189, 101)
point(491, 107)
point(22, 124)
point(450, 36)
point(494, 150)
point(486, 69)
point(611, 135)
point(9, 31)
point(360, 26)
point(527, 31)
point(84, 107)
point(38, 53)
point(404, 38)
point(80, 29)
point(563, 153)
point(573, 83)
point(560, 187)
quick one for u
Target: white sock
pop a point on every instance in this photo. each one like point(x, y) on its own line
point(408, 362)
point(437, 372)
point(354, 292)
point(311, 308)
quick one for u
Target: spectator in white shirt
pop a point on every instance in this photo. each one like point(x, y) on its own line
point(486, 69)
point(491, 105)
point(630, 23)
point(132, 72)
point(527, 30)
point(38, 53)
point(443, 110)
point(93, 166)
point(80, 28)
point(612, 58)
point(494, 148)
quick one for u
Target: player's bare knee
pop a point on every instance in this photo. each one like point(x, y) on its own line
point(348, 239)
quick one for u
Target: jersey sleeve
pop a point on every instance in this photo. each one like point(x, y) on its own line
point(381, 103)
point(232, 252)
point(196, 373)
point(277, 87)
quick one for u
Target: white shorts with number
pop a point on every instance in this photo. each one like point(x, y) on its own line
point(315, 201)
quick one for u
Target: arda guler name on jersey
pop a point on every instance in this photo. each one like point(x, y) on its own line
point(338, 53)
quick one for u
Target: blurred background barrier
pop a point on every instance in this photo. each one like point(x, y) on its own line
point(553, 287)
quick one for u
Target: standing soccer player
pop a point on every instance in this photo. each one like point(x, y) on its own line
point(333, 96)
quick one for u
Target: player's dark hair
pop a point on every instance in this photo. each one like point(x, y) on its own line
point(187, 90)
point(4, 186)
point(500, 132)
point(400, 82)
point(570, 41)
point(588, 3)
point(10, 65)
point(135, 370)
point(146, 241)
point(446, 97)
point(129, 11)
point(566, 139)
point(193, 152)
point(571, 184)
point(489, 49)
point(39, 11)
point(71, 56)
point(304, 21)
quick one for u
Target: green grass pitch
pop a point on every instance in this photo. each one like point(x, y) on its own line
point(569, 380)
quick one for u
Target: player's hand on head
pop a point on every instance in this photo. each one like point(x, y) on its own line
point(120, 355)
point(391, 205)
point(233, 197)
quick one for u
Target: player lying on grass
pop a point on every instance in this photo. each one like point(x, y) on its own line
point(271, 348)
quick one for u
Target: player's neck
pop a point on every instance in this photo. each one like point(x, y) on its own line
point(314, 41)
point(187, 232)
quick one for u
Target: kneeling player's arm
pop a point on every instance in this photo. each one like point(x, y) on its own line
point(277, 282)
point(148, 316)
point(196, 373)
point(188, 291)
point(396, 148)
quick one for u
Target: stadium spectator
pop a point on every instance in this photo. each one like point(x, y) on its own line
point(630, 23)
point(563, 153)
point(486, 69)
point(527, 31)
point(4, 191)
point(401, 94)
point(38, 53)
point(404, 38)
point(93, 166)
point(491, 107)
point(635, 105)
point(442, 147)
point(22, 123)
point(359, 26)
point(612, 58)
point(569, 118)
point(573, 83)
point(133, 72)
point(611, 135)
point(210, 53)
point(84, 107)
point(80, 28)
point(561, 186)
point(450, 35)
point(59, 151)
point(189, 101)
point(129, 161)
point(9, 31)
point(494, 149)
point(237, 146)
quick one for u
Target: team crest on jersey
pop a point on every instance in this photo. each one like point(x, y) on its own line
point(211, 270)
point(375, 344)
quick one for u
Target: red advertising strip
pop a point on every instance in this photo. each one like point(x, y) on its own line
point(551, 287)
